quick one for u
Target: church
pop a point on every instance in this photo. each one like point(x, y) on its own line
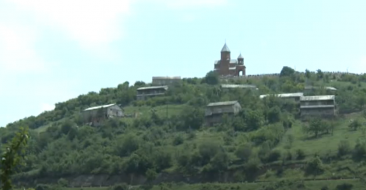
point(229, 67)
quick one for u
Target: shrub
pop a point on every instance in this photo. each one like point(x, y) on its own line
point(273, 156)
point(344, 186)
point(343, 148)
point(121, 186)
point(43, 187)
point(63, 182)
point(178, 140)
point(300, 154)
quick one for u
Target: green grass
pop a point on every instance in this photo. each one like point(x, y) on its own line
point(328, 142)
point(143, 111)
point(44, 127)
point(309, 185)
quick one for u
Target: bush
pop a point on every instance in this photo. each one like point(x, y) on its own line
point(63, 182)
point(314, 167)
point(121, 186)
point(344, 186)
point(43, 187)
point(359, 153)
point(178, 140)
point(273, 156)
point(344, 148)
point(300, 154)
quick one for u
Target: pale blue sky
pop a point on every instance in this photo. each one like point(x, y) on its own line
point(51, 51)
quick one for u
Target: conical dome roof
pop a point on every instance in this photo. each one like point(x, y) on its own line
point(225, 48)
point(240, 56)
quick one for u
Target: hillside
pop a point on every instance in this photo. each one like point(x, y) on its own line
point(169, 141)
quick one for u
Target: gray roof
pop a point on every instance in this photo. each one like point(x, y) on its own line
point(225, 48)
point(317, 98)
point(166, 78)
point(237, 86)
point(99, 107)
point(227, 103)
point(240, 56)
point(285, 95)
point(314, 87)
point(233, 61)
point(153, 87)
point(316, 106)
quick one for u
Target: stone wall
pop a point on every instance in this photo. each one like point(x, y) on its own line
point(337, 74)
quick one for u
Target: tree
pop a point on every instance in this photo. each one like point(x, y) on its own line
point(307, 74)
point(243, 152)
point(287, 71)
point(208, 150)
point(289, 140)
point(314, 167)
point(211, 78)
point(319, 74)
point(151, 174)
point(344, 186)
point(254, 119)
point(344, 148)
point(355, 124)
point(191, 117)
point(13, 157)
point(274, 114)
point(316, 126)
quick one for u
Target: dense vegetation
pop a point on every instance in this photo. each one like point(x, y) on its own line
point(266, 141)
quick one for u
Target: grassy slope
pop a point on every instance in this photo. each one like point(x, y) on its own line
point(309, 145)
point(310, 185)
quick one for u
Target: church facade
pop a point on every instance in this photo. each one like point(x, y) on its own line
point(229, 67)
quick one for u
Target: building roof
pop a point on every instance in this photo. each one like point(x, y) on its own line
point(316, 106)
point(238, 86)
point(227, 103)
point(178, 77)
point(240, 56)
point(317, 98)
point(99, 107)
point(314, 87)
point(285, 95)
point(153, 87)
point(225, 48)
point(233, 61)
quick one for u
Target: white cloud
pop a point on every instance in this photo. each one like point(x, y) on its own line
point(47, 107)
point(92, 23)
point(183, 4)
point(16, 52)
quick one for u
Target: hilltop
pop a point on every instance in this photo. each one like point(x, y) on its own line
point(170, 142)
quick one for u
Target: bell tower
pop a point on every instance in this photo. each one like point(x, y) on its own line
point(240, 60)
point(225, 53)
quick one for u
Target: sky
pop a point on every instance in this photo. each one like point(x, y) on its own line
point(52, 51)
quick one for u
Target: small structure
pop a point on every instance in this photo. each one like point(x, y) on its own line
point(215, 111)
point(323, 106)
point(293, 96)
point(312, 89)
point(165, 80)
point(146, 92)
point(97, 114)
point(242, 86)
